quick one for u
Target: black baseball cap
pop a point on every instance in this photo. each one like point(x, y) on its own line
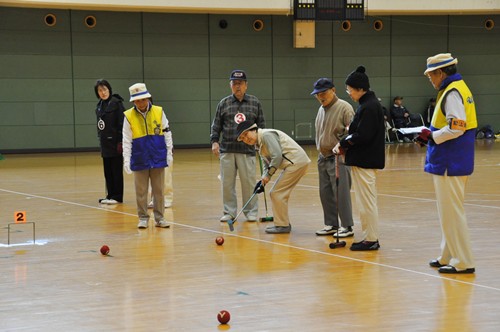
point(238, 74)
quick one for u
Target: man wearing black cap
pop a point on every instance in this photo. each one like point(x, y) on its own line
point(236, 157)
point(364, 150)
point(333, 119)
point(280, 152)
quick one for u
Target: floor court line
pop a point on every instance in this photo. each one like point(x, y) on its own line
point(267, 242)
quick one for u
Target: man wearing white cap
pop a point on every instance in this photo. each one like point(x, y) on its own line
point(279, 151)
point(450, 159)
point(147, 145)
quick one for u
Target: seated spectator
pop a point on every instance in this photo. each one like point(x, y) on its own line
point(429, 112)
point(401, 117)
point(391, 136)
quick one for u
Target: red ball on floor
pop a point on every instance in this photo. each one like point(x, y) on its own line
point(223, 316)
point(219, 240)
point(104, 250)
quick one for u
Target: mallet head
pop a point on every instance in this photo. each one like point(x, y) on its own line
point(340, 244)
point(230, 222)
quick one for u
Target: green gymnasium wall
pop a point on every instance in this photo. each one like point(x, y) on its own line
point(47, 73)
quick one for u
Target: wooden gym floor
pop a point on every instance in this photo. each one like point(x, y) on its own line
point(178, 279)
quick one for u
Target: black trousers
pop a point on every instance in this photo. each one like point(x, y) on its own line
point(113, 173)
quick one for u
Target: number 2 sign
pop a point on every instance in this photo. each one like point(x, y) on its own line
point(20, 217)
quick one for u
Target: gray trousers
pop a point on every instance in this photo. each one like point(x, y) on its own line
point(142, 181)
point(334, 206)
point(243, 165)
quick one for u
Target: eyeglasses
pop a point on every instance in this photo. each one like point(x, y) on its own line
point(348, 91)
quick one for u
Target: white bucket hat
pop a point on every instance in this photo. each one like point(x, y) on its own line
point(139, 91)
point(439, 61)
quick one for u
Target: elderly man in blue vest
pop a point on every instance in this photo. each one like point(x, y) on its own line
point(147, 145)
point(450, 160)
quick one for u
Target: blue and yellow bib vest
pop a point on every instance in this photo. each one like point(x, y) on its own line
point(149, 149)
point(456, 156)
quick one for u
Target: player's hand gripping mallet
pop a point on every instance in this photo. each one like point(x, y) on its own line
point(337, 244)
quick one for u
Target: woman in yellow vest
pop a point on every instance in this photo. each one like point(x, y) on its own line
point(146, 147)
point(450, 160)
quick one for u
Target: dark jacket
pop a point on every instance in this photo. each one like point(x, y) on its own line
point(398, 116)
point(109, 115)
point(365, 144)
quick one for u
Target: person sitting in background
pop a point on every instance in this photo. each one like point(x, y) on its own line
point(388, 126)
point(429, 112)
point(400, 114)
point(401, 117)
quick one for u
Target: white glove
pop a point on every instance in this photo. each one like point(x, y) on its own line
point(126, 167)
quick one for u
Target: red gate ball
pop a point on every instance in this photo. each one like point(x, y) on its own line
point(219, 240)
point(104, 250)
point(223, 317)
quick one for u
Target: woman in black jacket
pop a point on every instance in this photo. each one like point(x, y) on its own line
point(364, 149)
point(109, 113)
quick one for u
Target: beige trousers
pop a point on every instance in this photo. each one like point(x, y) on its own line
point(169, 188)
point(365, 192)
point(455, 245)
point(282, 190)
point(155, 177)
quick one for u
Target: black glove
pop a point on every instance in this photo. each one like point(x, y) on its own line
point(259, 187)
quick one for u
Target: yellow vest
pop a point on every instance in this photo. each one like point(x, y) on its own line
point(140, 126)
point(149, 149)
point(454, 157)
point(439, 118)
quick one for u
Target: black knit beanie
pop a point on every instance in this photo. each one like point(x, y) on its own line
point(358, 79)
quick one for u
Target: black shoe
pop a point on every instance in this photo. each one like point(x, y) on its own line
point(452, 270)
point(435, 263)
point(365, 245)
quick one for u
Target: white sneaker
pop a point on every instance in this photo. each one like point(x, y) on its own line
point(251, 218)
point(162, 224)
point(142, 224)
point(327, 230)
point(344, 232)
point(226, 217)
point(108, 201)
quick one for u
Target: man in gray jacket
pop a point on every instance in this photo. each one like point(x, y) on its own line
point(332, 123)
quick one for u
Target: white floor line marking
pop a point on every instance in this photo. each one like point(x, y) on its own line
point(267, 242)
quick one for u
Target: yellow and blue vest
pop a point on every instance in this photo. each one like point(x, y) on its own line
point(149, 149)
point(454, 157)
